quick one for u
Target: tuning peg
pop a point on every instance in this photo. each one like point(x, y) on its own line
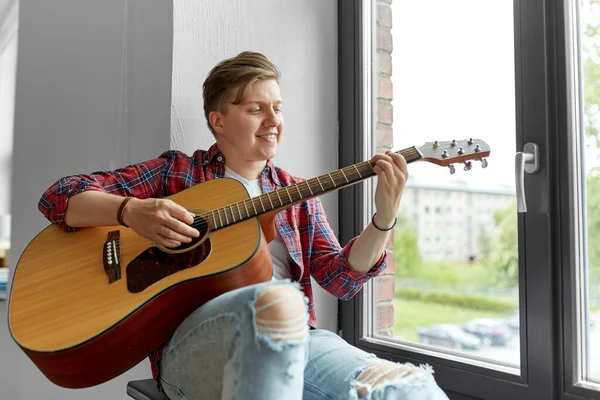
point(436, 144)
point(484, 163)
point(445, 154)
point(468, 165)
point(477, 148)
point(461, 151)
point(453, 143)
point(452, 169)
point(470, 142)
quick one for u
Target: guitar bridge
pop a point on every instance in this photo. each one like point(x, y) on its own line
point(111, 256)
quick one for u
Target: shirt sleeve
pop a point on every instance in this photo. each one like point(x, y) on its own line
point(143, 180)
point(329, 261)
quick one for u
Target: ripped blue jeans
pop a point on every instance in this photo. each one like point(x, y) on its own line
point(254, 343)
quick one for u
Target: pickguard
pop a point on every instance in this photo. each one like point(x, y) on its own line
point(153, 264)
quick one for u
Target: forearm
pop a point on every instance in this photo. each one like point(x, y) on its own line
point(92, 208)
point(369, 246)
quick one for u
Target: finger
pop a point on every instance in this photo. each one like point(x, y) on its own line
point(384, 157)
point(179, 212)
point(382, 173)
point(400, 161)
point(173, 235)
point(387, 167)
point(163, 241)
point(182, 228)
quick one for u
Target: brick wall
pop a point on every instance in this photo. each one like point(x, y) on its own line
point(384, 284)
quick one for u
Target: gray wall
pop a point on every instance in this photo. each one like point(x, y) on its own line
point(81, 105)
point(80, 108)
point(300, 37)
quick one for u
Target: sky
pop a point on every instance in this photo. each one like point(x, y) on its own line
point(453, 78)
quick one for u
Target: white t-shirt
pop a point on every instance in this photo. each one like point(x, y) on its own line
point(280, 255)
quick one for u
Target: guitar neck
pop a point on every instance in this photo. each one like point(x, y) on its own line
point(289, 195)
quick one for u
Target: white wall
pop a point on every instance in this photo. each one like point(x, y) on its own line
point(300, 37)
point(8, 57)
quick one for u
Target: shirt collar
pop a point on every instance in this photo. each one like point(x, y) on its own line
point(214, 155)
point(271, 168)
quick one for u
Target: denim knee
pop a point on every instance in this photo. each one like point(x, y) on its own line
point(280, 316)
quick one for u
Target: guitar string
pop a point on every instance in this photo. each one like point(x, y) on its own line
point(204, 216)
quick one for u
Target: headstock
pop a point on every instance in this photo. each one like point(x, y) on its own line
point(455, 151)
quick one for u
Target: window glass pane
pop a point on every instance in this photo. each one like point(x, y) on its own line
point(590, 57)
point(442, 71)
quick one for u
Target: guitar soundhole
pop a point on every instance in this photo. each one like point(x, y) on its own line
point(202, 226)
point(153, 264)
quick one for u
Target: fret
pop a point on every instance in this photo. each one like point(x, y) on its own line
point(357, 171)
point(288, 192)
point(332, 181)
point(270, 201)
point(261, 203)
point(247, 211)
point(309, 189)
point(298, 189)
point(214, 219)
point(221, 220)
point(232, 215)
point(279, 197)
point(253, 206)
point(371, 165)
point(318, 180)
point(225, 212)
point(239, 211)
point(342, 171)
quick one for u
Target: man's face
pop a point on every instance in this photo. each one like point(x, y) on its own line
point(252, 129)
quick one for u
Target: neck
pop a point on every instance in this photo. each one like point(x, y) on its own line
point(247, 169)
point(289, 195)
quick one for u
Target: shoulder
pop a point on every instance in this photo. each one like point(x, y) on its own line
point(309, 206)
point(177, 156)
point(286, 178)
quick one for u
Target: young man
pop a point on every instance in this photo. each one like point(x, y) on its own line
point(260, 341)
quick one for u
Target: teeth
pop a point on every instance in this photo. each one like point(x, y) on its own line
point(270, 137)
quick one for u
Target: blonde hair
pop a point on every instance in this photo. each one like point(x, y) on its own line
point(234, 73)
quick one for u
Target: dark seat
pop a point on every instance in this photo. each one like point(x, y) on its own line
point(144, 390)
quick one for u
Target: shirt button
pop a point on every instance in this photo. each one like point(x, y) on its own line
point(219, 158)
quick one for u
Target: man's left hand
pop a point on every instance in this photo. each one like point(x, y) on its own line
point(392, 173)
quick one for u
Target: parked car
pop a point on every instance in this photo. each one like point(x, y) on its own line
point(448, 335)
point(513, 322)
point(493, 332)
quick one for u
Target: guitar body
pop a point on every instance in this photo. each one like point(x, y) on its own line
point(80, 330)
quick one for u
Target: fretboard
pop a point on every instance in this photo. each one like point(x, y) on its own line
point(289, 195)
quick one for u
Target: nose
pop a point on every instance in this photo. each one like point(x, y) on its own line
point(271, 120)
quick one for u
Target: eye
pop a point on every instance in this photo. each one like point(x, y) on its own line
point(278, 109)
point(254, 110)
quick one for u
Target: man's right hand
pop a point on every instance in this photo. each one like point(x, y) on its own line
point(161, 220)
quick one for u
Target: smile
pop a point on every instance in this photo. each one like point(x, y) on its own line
point(270, 137)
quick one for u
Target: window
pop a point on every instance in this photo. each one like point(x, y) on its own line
point(483, 310)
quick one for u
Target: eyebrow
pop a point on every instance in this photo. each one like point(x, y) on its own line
point(279, 102)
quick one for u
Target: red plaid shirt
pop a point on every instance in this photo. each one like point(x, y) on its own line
point(313, 247)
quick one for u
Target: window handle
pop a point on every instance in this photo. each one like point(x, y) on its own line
point(525, 161)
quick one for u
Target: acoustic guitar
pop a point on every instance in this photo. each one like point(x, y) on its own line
point(87, 306)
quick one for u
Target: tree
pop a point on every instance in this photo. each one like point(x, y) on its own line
point(505, 261)
point(485, 243)
point(406, 247)
point(593, 217)
point(590, 51)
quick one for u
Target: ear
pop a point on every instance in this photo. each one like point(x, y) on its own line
point(216, 121)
